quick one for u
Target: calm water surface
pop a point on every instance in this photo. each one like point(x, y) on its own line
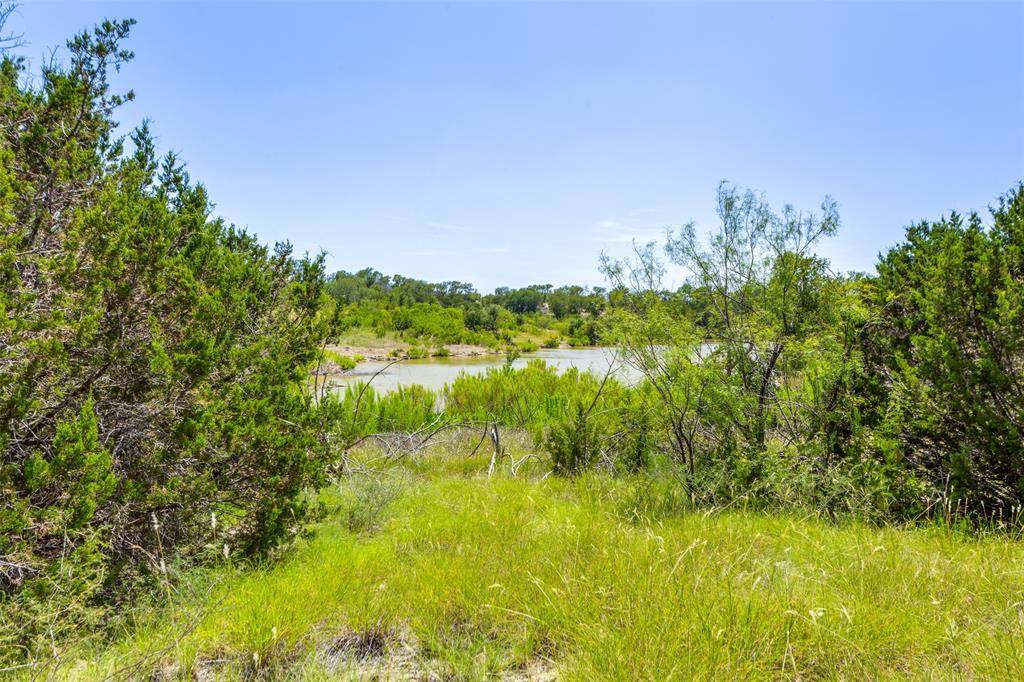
point(435, 373)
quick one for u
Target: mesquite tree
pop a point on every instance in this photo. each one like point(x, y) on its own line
point(781, 331)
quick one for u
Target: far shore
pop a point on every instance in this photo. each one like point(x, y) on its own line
point(390, 350)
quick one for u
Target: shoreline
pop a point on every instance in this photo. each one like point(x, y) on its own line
point(385, 352)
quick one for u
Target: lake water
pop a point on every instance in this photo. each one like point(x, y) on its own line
point(435, 373)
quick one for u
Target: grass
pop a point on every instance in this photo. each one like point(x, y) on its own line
point(367, 337)
point(430, 566)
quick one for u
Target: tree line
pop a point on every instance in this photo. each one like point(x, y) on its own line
point(455, 312)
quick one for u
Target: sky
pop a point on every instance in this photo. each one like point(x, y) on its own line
point(510, 144)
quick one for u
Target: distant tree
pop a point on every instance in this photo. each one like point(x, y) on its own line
point(452, 293)
point(526, 300)
point(482, 317)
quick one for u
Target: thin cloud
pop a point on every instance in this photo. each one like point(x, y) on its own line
point(427, 252)
point(491, 249)
point(448, 227)
point(615, 231)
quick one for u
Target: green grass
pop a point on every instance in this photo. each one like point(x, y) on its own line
point(429, 565)
point(365, 336)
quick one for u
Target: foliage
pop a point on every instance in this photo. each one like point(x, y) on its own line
point(574, 442)
point(784, 331)
point(417, 353)
point(899, 395)
point(527, 346)
point(361, 410)
point(946, 353)
point(364, 503)
point(534, 397)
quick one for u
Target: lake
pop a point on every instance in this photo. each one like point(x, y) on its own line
point(435, 373)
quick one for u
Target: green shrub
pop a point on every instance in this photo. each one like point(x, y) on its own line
point(361, 410)
point(637, 439)
point(153, 359)
point(343, 362)
point(365, 501)
point(946, 355)
point(531, 397)
point(575, 441)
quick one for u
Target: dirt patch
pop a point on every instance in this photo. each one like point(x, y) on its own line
point(375, 653)
point(381, 653)
point(537, 670)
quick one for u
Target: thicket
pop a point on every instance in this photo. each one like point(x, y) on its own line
point(944, 357)
point(896, 396)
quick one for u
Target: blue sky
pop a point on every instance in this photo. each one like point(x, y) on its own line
point(507, 144)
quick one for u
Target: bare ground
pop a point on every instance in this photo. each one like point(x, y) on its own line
point(383, 350)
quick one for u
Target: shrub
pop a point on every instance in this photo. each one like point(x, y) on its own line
point(574, 441)
point(527, 346)
point(361, 410)
point(365, 501)
point(532, 397)
point(153, 358)
point(946, 356)
point(637, 439)
point(583, 332)
point(343, 362)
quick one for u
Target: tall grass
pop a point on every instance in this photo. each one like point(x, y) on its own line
point(533, 396)
point(362, 410)
point(596, 577)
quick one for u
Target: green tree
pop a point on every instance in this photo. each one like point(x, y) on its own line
point(784, 332)
point(152, 359)
point(774, 305)
point(947, 355)
point(527, 300)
